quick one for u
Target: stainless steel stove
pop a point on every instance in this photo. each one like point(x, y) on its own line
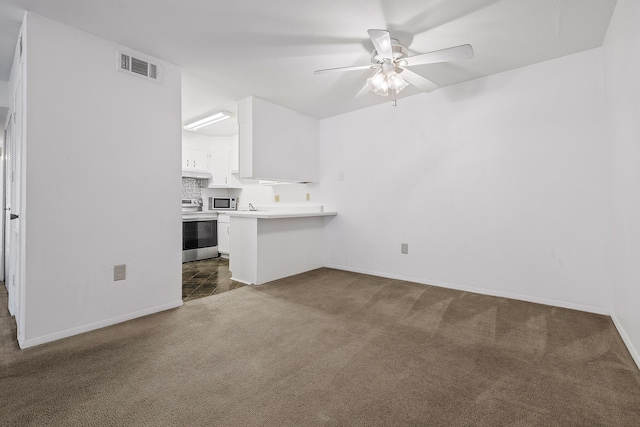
point(199, 231)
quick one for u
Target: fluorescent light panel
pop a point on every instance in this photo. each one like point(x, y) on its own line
point(218, 117)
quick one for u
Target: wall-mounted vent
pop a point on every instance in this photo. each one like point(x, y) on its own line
point(128, 63)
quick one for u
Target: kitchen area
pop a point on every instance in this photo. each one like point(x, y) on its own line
point(249, 207)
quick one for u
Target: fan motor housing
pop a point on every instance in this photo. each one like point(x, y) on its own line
point(398, 52)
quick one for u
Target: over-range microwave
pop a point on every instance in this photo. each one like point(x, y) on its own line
point(222, 203)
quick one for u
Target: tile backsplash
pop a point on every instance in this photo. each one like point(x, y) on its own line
point(191, 188)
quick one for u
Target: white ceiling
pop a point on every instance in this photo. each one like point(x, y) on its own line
point(232, 49)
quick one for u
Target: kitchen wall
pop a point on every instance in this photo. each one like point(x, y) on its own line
point(102, 186)
point(622, 66)
point(497, 185)
point(260, 195)
point(199, 141)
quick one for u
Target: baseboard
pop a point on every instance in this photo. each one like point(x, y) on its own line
point(627, 341)
point(244, 282)
point(96, 325)
point(545, 301)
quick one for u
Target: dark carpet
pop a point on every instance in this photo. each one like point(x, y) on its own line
point(330, 348)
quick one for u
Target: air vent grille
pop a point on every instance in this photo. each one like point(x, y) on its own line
point(125, 62)
point(153, 71)
point(140, 67)
point(130, 64)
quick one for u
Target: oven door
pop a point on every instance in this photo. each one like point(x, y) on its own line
point(199, 239)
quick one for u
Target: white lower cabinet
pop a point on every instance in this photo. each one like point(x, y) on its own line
point(224, 234)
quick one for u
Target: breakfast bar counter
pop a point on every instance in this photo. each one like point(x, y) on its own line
point(270, 245)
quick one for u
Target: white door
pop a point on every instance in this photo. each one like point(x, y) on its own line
point(8, 168)
point(14, 249)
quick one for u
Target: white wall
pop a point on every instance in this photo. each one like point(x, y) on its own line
point(497, 185)
point(5, 97)
point(198, 141)
point(5, 103)
point(622, 65)
point(102, 185)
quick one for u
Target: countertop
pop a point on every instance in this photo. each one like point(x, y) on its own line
point(276, 214)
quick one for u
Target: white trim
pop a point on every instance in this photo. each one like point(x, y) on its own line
point(627, 341)
point(545, 301)
point(244, 282)
point(96, 325)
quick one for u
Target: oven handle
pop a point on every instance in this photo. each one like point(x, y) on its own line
point(200, 219)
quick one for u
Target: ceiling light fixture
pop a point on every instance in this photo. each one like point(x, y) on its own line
point(382, 82)
point(218, 117)
point(386, 79)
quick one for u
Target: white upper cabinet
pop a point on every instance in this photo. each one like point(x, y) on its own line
point(195, 159)
point(276, 143)
point(219, 168)
point(217, 156)
point(221, 164)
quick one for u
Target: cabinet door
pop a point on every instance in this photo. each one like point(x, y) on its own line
point(186, 158)
point(199, 160)
point(219, 168)
point(224, 229)
point(194, 159)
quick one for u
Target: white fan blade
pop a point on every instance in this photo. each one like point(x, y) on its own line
point(362, 92)
point(464, 51)
point(417, 80)
point(382, 42)
point(357, 67)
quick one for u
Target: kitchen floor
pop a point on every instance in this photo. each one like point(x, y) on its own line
point(206, 277)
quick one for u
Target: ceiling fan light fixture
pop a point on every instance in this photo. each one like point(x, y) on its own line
point(396, 82)
point(378, 84)
point(381, 83)
point(392, 61)
point(215, 118)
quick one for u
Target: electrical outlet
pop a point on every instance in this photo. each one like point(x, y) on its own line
point(308, 197)
point(276, 198)
point(119, 272)
point(340, 176)
point(404, 248)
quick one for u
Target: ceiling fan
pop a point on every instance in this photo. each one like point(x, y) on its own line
point(390, 59)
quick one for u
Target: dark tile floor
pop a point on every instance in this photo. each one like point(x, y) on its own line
point(206, 277)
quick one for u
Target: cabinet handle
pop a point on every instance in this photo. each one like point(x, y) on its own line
point(227, 229)
point(187, 163)
point(194, 163)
